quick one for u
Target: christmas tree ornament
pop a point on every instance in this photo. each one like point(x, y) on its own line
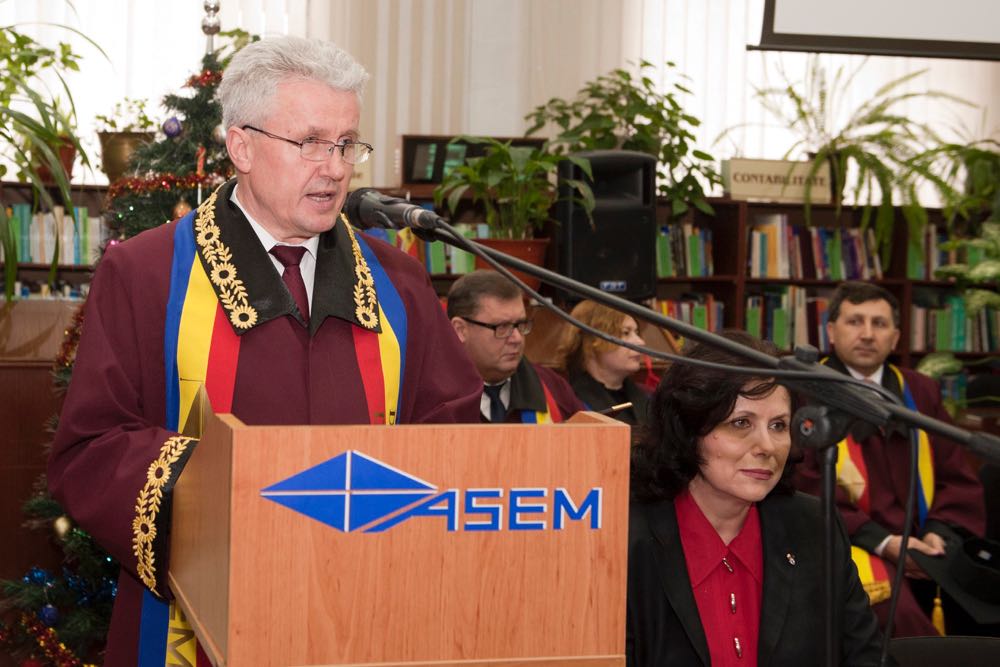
point(49, 615)
point(37, 575)
point(61, 527)
point(172, 127)
point(31, 662)
point(181, 209)
point(219, 134)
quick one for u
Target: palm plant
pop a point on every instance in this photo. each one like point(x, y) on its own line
point(33, 125)
point(514, 184)
point(885, 147)
point(620, 110)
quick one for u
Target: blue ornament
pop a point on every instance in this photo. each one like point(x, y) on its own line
point(172, 127)
point(49, 615)
point(37, 575)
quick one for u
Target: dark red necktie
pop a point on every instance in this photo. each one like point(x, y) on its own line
point(290, 256)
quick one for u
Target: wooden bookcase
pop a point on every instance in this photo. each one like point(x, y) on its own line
point(731, 283)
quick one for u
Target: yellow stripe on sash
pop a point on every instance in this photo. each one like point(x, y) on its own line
point(925, 466)
point(876, 584)
point(194, 337)
point(925, 460)
point(182, 645)
point(388, 346)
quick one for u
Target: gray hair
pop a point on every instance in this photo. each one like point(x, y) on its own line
point(251, 80)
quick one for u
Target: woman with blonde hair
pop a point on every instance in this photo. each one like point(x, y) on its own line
point(601, 372)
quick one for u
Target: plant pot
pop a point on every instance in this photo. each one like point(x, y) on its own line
point(67, 156)
point(117, 149)
point(528, 250)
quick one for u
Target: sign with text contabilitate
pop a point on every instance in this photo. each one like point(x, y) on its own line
point(774, 180)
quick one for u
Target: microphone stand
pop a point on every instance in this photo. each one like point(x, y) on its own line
point(822, 426)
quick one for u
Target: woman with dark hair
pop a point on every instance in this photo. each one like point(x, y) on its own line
point(724, 558)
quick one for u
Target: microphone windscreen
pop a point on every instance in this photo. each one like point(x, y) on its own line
point(353, 210)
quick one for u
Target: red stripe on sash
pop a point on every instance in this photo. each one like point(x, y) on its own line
point(550, 403)
point(857, 457)
point(220, 376)
point(878, 569)
point(370, 365)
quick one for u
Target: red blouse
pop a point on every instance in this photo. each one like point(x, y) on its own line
point(727, 582)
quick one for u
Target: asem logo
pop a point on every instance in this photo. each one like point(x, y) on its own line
point(353, 491)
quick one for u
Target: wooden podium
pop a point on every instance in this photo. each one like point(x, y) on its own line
point(510, 566)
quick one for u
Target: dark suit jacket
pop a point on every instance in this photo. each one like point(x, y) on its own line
point(596, 397)
point(663, 627)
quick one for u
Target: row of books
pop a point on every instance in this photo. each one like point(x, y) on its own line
point(788, 316)
point(75, 236)
point(684, 250)
point(34, 290)
point(437, 258)
point(779, 250)
point(952, 329)
point(701, 310)
point(930, 251)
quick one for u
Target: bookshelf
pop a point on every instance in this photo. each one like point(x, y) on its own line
point(931, 312)
point(36, 247)
point(732, 239)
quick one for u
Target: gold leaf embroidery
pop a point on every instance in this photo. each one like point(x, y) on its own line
point(365, 299)
point(147, 507)
point(232, 292)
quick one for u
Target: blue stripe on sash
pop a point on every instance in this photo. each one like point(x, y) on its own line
point(392, 306)
point(180, 272)
point(153, 623)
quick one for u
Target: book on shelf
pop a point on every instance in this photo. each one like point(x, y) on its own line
point(702, 310)
point(684, 250)
point(38, 236)
point(788, 316)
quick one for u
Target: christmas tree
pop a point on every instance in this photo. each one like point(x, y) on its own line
point(62, 618)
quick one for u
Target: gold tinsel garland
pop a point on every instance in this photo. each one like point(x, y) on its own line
point(48, 641)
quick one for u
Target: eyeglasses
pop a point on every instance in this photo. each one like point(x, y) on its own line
point(320, 150)
point(504, 329)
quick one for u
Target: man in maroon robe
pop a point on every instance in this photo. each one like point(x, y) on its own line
point(487, 312)
point(291, 109)
point(863, 329)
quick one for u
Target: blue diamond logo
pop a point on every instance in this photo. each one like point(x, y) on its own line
point(349, 491)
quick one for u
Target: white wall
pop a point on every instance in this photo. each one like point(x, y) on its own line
point(478, 66)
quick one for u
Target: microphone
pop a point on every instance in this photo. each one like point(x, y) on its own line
point(367, 208)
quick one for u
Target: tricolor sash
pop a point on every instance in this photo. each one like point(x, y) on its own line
point(382, 355)
point(551, 413)
point(852, 476)
point(202, 349)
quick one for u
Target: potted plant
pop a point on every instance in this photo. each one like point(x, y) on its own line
point(34, 129)
point(515, 185)
point(127, 127)
point(620, 110)
point(874, 152)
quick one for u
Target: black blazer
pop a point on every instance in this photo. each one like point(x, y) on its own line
point(596, 397)
point(663, 627)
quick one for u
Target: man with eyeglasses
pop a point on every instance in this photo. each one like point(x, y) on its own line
point(488, 314)
point(264, 296)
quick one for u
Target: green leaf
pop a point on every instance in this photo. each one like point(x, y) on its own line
point(937, 364)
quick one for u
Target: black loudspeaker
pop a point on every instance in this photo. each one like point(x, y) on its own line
point(617, 252)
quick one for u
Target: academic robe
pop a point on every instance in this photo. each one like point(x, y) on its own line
point(663, 627)
point(597, 397)
point(958, 495)
point(528, 399)
point(111, 429)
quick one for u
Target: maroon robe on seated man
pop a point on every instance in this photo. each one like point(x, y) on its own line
point(958, 495)
point(112, 425)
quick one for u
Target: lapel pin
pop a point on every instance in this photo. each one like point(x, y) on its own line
point(791, 558)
